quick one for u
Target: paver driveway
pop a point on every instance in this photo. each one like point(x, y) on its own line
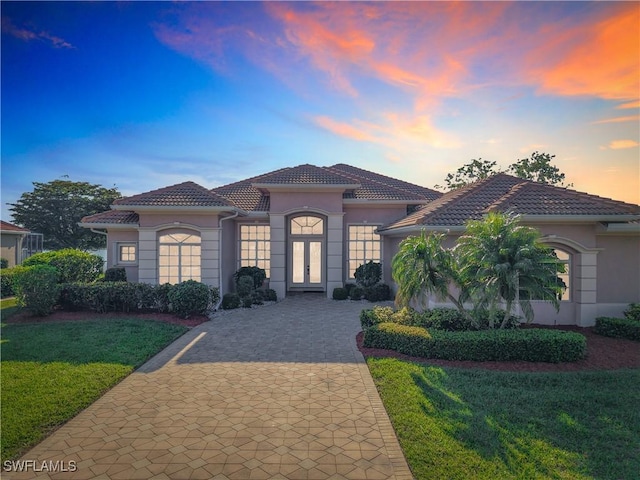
point(275, 392)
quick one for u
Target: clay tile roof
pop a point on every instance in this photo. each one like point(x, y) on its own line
point(376, 186)
point(504, 192)
point(10, 227)
point(305, 175)
point(187, 194)
point(119, 217)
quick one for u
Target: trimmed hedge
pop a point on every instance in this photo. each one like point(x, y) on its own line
point(115, 274)
point(532, 345)
point(37, 288)
point(189, 298)
point(73, 265)
point(340, 293)
point(633, 312)
point(618, 328)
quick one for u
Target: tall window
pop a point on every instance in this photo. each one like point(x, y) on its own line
point(178, 257)
point(565, 258)
point(364, 246)
point(255, 247)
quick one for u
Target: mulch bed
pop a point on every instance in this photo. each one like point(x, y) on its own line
point(62, 316)
point(603, 353)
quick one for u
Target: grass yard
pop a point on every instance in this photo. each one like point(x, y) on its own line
point(52, 371)
point(463, 423)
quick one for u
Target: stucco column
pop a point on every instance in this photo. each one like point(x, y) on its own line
point(586, 289)
point(335, 234)
point(210, 256)
point(147, 256)
point(278, 280)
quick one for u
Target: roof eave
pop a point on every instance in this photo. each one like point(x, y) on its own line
point(411, 229)
point(111, 226)
point(369, 201)
point(179, 208)
point(305, 187)
point(529, 218)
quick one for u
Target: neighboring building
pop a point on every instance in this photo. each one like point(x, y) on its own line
point(310, 227)
point(18, 243)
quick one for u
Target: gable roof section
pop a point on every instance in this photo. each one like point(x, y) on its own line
point(187, 194)
point(111, 217)
point(379, 186)
point(502, 192)
point(250, 194)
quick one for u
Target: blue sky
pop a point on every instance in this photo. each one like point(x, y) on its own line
point(141, 95)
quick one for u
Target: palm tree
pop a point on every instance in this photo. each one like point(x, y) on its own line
point(501, 260)
point(421, 267)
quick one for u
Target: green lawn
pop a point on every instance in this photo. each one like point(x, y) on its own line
point(8, 306)
point(479, 424)
point(51, 371)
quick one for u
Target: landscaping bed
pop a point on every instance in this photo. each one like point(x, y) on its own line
point(603, 353)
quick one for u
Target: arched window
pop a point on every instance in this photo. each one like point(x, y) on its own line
point(307, 226)
point(565, 258)
point(178, 257)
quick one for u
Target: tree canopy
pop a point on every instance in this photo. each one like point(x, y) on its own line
point(537, 167)
point(55, 208)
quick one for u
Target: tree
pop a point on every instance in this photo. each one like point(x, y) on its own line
point(539, 169)
point(55, 208)
point(421, 267)
point(477, 169)
point(501, 260)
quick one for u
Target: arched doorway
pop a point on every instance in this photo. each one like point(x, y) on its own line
point(306, 253)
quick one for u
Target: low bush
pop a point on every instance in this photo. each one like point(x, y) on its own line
point(4, 263)
point(247, 302)
point(230, 301)
point(348, 287)
point(189, 298)
point(115, 274)
point(7, 280)
point(244, 286)
point(72, 265)
point(257, 297)
point(270, 295)
point(340, 293)
point(379, 292)
point(103, 297)
point(618, 328)
point(259, 275)
point(633, 312)
point(368, 274)
point(532, 345)
point(37, 288)
point(357, 293)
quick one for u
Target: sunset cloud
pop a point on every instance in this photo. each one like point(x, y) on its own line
point(620, 144)
point(28, 35)
point(629, 118)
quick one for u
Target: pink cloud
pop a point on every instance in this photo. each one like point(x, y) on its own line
point(620, 144)
point(29, 35)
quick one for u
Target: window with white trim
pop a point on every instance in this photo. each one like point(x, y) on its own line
point(255, 247)
point(179, 256)
point(127, 253)
point(364, 245)
point(565, 259)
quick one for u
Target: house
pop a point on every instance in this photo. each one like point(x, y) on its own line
point(310, 227)
point(11, 238)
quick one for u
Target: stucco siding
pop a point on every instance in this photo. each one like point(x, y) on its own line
point(618, 269)
point(151, 220)
point(116, 237)
point(287, 201)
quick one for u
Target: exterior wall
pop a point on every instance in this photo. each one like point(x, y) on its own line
point(618, 280)
point(278, 280)
point(152, 220)
point(11, 248)
point(113, 239)
point(287, 201)
point(229, 254)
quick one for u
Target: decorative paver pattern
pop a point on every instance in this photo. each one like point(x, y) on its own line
point(279, 392)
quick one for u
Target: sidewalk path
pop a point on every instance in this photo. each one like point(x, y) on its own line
point(278, 392)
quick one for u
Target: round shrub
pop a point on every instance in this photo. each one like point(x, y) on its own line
point(377, 293)
point(270, 295)
point(340, 293)
point(72, 265)
point(632, 312)
point(258, 274)
point(245, 285)
point(247, 301)
point(7, 281)
point(4, 263)
point(37, 288)
point(368, 274)
point(357, 293)
point(189, 298)
point(115, 274)
point(230, 301)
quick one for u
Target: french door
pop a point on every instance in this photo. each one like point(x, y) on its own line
point(306, 263)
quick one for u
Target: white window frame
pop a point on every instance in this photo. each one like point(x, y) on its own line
point(259, 245)
point(367, 257)
point(181, 247)
point(119, 246)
